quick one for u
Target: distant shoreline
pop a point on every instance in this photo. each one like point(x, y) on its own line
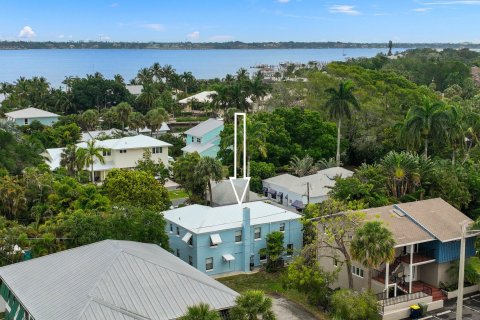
point(29, 45)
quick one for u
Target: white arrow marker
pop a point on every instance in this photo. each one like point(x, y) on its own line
point(245, 178)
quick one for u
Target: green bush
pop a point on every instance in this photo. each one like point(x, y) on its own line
point(353, 305)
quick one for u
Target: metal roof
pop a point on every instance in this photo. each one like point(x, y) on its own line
point(203, 219)
point(204, 127)
point(30, 113)
point(223, 194)
point(112, 280)
point(204, 97)
point(320, 182)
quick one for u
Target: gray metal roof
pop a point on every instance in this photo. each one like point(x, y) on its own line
point(206, 126)
point(223, 193)
point(112, 280)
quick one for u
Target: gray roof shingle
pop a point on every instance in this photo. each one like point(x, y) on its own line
point(112, 280)
point(204, 127)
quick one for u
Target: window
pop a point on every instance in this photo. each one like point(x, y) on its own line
point(107, 152)
point(193, 139)
point(209, 264)
point(257, 233)
point(199, 140)
point(190, 242)
point(282, 227)
point(263, 254)
point(171, 227)
point(178, 231)
point(157, 150)
point(357, 271)
point(289, 249)
point(26, 121)
point(238, 236)
point(190, 260)
point(178, 253)
point(123, 151)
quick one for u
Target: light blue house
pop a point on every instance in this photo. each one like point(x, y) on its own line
point(229, 238)
point(204, 138)
point(26, 116)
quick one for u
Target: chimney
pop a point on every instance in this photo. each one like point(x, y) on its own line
point(246, 239)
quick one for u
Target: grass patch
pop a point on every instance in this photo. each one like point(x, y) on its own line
point(270, 283)
point(177, 194)
point(190, 119)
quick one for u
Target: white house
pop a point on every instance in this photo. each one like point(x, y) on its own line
point(27, 116)
point(299, 191)
point(120, 153)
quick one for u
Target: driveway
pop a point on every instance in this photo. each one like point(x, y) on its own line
point(471, 309)
point(288, 310)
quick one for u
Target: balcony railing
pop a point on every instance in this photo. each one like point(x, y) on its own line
point(418, 293)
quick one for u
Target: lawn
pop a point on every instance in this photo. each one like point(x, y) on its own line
point(177, 194)
point(270, 284)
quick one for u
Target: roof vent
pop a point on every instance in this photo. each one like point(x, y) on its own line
point(398, 212)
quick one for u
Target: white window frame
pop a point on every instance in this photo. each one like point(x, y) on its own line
point(190, 260)
point(289, 254)
point(107, 152)
point(259, 233)
point(26, 121)
point(241, 236)
point(282, 227)
point(157, 150)
point(206, 264)
point(359, 272)
point(123, 150)
point(178, 253)
point(178, 231)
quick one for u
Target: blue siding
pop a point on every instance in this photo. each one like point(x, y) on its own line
point(45, 121)
point(201, 249)
point(212, 136)
point(449, 251)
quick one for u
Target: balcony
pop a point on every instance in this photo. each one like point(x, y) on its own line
point(421, 257)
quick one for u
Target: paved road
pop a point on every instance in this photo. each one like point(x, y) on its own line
point(288, 310)
point(471, 309)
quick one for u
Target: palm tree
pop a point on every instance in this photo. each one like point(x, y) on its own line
point(340, 106)
point(252, 304)
point(425, 122)
point(90, 119)
point(327, 163)
point(148, 95)
point(123, 109)
point(70, 160)
point(372, 245)
point(187, 80)
point(119, 79)
point(258, 89)
point(90, 154)
point(303, 167)
point(200, 311)
point(144, 76)
point(209, 169)
point(137, 121)
point(109, 118)
point(155, 118)
point(157, 71)
point(455, 130)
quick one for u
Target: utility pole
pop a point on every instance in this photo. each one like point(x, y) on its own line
point(461, 272)
point(308, 192)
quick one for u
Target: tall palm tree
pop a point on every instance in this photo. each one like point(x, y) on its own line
point(123, 109)
point(90, 154)
point(70, 159)
point(187, 80)
point(209, 169)
point(258, 89)
point(144, 76)
point(340, 106)
point(372, 245)
point(137, 121)
point(118, 78)
point(426, 122)
point(155, 118)
point(455, 130)
point(90, 119)
point(252, 305)
point(303, 167)
point(109, 118)
point(148, 95)
point(200, 311)
point(157, 71)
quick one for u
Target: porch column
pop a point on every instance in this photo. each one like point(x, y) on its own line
point(411, 269)
point(387, 276)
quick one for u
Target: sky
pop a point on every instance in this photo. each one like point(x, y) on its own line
point(241, 20)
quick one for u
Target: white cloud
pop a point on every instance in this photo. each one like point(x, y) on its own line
point(153, 26)
point(27, 32)
point(283, 1)
point(422, 9)
point(221, 38)
point(61, 36)
point(193, 36)
point(344, 9)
